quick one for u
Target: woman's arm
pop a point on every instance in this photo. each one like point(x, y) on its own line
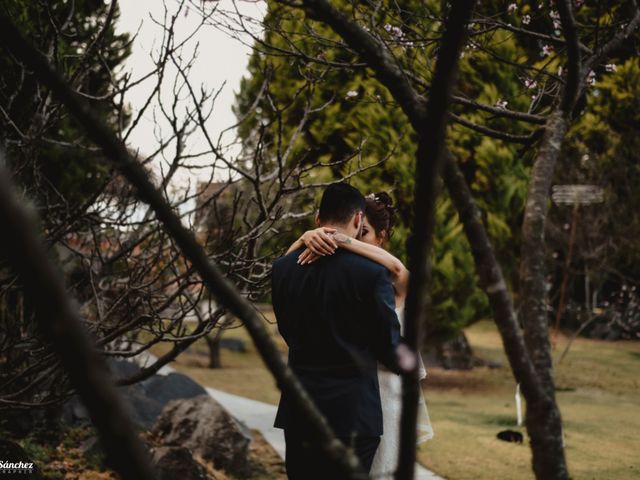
point(399, 272)
point(318, 241)
point(295, 246)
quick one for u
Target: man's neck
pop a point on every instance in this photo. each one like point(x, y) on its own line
point(339, 229)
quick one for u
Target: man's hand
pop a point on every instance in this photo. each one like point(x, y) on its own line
point(320, 241)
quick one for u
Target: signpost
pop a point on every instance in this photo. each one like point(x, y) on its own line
point(575, 195)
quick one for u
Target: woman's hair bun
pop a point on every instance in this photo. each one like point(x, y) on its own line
point(380, 212)
point(384, 198)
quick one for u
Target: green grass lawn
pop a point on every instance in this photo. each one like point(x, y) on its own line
point(598, 393)
point(598, 396)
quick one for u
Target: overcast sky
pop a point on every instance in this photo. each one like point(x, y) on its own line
point(221, 59)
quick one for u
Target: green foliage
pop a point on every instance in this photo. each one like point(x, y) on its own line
point(602, 149)
point(47, 150)
point(359, 115)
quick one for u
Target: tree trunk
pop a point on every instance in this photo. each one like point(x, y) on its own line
point(452, 354)
point(213, 342)
point(543, 417)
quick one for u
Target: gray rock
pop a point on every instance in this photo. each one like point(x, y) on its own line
point(143, 410)
point(122, 368)
point(144, 400)
point(73, 411)
point(203, 426)
point(172, 463)
point(233, 345)
point(164, 388)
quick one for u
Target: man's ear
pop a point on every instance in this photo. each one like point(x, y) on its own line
point(357, 221)
point(317, 219)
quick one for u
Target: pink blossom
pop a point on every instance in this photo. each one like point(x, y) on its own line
point(610, 67)
point(546, 50)
point(394, 31)
point(512, 8)
point(526, 19)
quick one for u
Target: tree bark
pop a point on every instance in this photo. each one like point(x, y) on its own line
point(429, 159)
point(213, 342)
point(218, 285)
point(543, 417)
point(61, 324)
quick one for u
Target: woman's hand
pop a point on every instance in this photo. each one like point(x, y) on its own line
point(320, 241)
point(307, 257)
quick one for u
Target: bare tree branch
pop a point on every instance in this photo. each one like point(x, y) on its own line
point(61, 323)
point(210, 273)
point(429, 159)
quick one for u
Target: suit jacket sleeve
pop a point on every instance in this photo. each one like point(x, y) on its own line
point(386, 327)
point(277, 301)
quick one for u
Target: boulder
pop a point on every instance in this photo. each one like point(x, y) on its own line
point(74, 411)
point(172, 463)
point(164, 388)
point(203, 426)
point(233, 345)
point(144, 400)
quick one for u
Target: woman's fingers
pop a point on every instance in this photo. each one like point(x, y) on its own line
point(317, 247)
point(321, 245)
point(330, 241)
point(307, 257)
point(334, 242)
point(328, 244)
point(304, 256)
point(319, 241)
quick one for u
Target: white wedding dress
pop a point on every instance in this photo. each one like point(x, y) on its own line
point(385, 461)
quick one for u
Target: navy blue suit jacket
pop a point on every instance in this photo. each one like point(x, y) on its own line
point(337, 315)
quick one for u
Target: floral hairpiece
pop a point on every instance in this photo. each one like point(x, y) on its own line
point(380, 199)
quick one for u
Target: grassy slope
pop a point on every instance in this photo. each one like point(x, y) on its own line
point(598, 395)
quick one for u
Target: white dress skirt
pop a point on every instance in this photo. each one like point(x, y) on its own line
point(385, 461)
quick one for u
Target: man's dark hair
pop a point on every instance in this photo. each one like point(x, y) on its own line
point(339, 203)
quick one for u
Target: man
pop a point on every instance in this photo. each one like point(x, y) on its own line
point(338, 318)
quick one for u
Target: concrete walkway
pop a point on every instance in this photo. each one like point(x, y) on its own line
point(259, 416)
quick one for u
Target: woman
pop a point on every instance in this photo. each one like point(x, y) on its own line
point(376, 230)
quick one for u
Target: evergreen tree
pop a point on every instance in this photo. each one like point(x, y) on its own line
point(47, 151)
point(359, 117)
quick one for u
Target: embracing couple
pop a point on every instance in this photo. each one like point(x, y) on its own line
point(338, 297)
